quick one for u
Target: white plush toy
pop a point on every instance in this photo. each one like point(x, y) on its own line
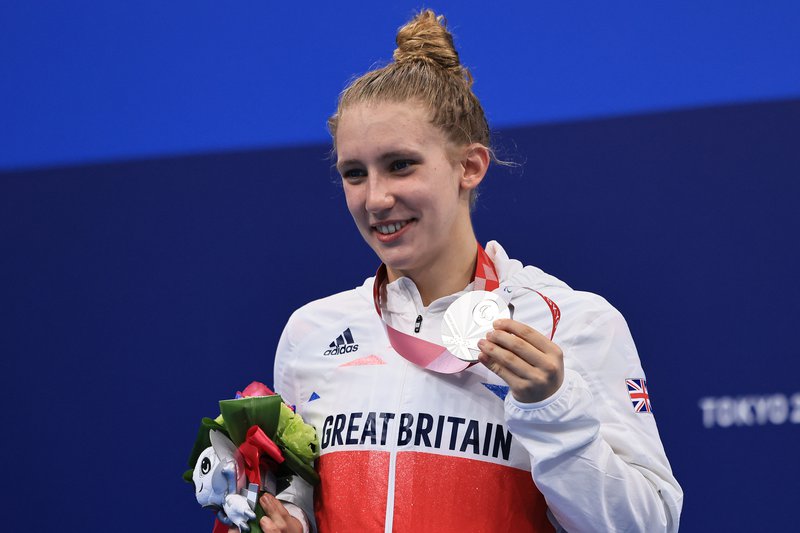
point(219, 481)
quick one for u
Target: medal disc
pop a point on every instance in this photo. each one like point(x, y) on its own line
point(468, 320)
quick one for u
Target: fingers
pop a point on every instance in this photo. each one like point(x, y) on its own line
point(529, 362)
point(524, 331)
point(519, 347)
point(511, 358)
point(277, 519)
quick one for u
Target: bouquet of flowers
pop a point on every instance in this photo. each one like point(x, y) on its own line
point(255, 445)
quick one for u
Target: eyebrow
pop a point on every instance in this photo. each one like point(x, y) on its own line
point(394, 154)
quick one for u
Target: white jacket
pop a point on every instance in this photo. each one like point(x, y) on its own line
point(406, 449)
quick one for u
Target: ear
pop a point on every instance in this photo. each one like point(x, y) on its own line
point(475, 162)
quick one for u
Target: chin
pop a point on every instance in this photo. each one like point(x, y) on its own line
point(395, 263)
point(400, 257)
point(391, 259)
point(400, 264)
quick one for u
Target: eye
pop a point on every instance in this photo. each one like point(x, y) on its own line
point(401, 164)
point(205, 465)
point(354, 174)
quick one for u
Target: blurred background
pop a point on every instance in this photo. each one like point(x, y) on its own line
point(167, 200)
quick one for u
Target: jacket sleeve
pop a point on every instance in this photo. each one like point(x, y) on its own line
point(599, 464)
point(299, 496)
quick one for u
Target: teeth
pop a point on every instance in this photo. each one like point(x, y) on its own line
point(388, 229)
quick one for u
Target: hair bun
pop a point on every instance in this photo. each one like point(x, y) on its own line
point(426, 70)
point(425, 38)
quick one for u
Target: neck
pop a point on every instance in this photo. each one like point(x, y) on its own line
point(446, 276)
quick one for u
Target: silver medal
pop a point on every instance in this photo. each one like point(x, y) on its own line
point(468, 320)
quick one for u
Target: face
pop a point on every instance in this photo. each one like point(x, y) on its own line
point(404, 184)
point(203, 477)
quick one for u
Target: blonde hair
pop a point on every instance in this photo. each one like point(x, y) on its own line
point(426, 69)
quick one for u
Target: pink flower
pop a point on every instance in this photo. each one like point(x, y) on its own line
point(256, 388)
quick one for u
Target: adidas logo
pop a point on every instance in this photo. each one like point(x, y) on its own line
point(344, 343)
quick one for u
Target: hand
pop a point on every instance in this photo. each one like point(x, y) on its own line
point(277, 520)
point(531, 364)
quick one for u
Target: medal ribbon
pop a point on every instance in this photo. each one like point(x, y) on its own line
point(434, 356)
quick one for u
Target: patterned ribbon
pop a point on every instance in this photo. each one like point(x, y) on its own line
point(434, 356)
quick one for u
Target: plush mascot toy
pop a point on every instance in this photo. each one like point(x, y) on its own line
point(219, 482)
point(235, 459)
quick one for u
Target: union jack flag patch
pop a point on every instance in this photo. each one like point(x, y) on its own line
point(637, 390)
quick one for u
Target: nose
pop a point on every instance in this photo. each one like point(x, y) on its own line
point(379, 196)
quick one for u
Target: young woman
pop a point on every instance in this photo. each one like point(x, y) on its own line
point(541, 434)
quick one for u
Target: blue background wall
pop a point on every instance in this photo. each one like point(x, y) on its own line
point(166, 201)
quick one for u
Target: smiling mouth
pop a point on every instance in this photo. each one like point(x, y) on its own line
point(388, 229)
